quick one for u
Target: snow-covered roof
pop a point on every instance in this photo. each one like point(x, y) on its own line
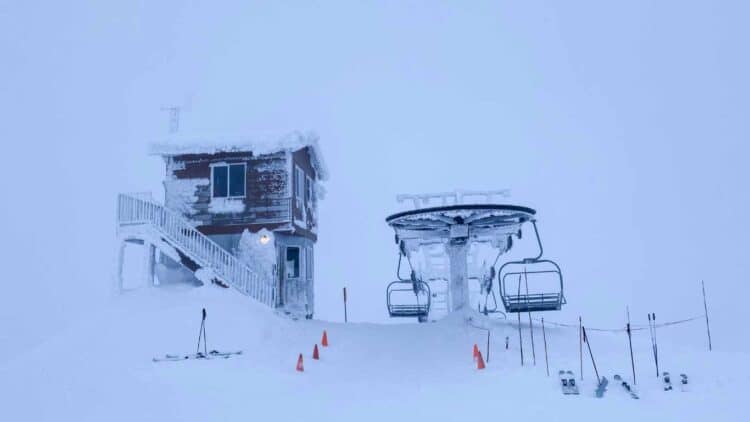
point(258, 144)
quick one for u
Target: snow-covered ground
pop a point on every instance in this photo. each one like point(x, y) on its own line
point(101, 369)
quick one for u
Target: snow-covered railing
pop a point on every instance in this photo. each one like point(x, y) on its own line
point(456, 197)
point(138, 210)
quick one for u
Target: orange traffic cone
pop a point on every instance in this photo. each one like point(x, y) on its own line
point(316, 355)
point(300, 365)
point(480, 361)
point(324, 342)
point(476, 352)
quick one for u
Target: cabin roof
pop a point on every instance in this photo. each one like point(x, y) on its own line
point(258, 144)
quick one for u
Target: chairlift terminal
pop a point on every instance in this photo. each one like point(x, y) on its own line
point(452, 252)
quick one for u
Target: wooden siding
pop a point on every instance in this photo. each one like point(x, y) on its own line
point(268, 201)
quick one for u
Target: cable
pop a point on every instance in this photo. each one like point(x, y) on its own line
point(632, 328)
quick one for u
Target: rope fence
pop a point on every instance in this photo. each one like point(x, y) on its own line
point(622, 330)
point(584, 339)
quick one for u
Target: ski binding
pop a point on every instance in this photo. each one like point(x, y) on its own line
point(667, 381)
point(683, 382)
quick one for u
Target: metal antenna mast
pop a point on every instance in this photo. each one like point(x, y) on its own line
point(174, 118)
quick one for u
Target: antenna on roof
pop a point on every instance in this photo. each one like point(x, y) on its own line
point(174, 118)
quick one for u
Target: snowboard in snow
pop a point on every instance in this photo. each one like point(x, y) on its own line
point(602, 387)
point(626, 386)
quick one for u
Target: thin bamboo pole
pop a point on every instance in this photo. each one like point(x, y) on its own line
point(580, 344)
point(705, 308)
point(544, 336)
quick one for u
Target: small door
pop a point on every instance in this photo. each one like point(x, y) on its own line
point(292, 274)
point(293, 263)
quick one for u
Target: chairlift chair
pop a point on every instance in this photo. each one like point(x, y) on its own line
point(521, 271)
point(404, 306)
point(417, 308)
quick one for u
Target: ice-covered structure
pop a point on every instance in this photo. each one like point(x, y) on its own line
point(452, 249)
point(238, 211)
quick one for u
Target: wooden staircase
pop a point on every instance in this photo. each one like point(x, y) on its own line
point(140, 217)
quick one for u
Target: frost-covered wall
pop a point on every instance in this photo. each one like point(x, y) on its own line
point(182, 194)
point(305, 206)
point(266, 202)
point(258, 251)
point(276, 197)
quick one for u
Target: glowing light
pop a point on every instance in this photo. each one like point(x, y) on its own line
point(264, 239)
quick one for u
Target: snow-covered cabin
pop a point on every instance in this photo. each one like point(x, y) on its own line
point(256, 197)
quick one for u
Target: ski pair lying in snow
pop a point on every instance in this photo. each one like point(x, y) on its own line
point(626, 386)
point(568, 382)
point(213, 354)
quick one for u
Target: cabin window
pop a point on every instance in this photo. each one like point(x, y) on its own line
point(292, 262)
point(299, 185)
point(228, 180)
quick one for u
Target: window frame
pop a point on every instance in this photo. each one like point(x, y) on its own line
point(229, 180)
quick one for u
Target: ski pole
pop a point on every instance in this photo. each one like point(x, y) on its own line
point(202, 333)
point(580, 344)
point(705, 308)
point(345, 315)
point(632, 360)
point(544, 336)
point(656, 345)
point(520, 338)
point(586, 340)
point(653, 349)
point(205, 339)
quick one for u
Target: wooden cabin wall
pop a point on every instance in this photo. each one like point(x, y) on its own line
point(188, 190)
point(269, 193)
